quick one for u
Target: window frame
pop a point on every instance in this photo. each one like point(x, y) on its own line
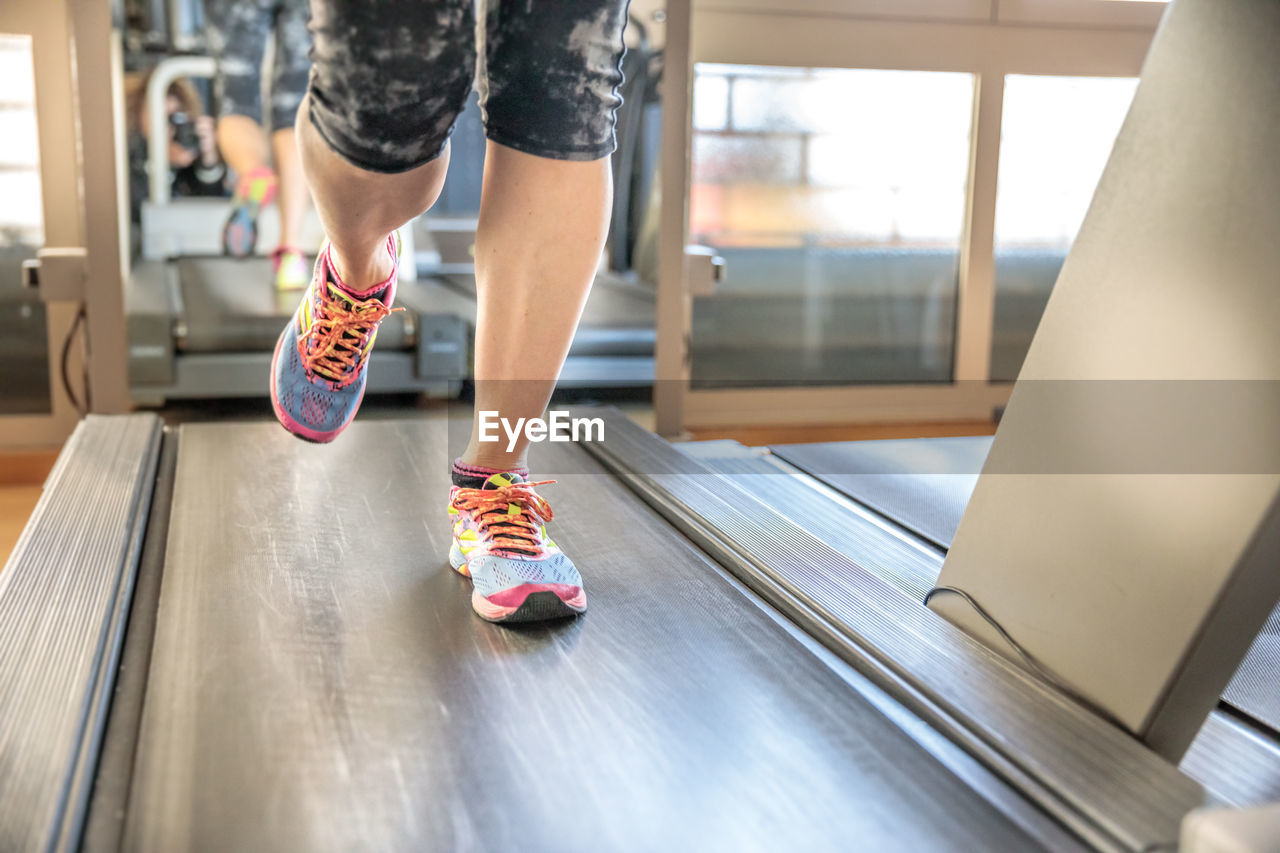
point(821, 33)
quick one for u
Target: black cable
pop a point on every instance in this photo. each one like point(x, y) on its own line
point(1038, 669)
point(85, 385)
point(82, 408)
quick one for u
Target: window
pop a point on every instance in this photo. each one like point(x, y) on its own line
point(1056, 137)
point(23, 331)
point(837, 199)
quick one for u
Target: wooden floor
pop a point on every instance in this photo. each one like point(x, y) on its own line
point(765, 436)
point(21, 476)
point(16, 503)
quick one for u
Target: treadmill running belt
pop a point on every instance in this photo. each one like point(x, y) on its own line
point(319, 680)
point(922, 484)
point(232, 305)
point(617, 320)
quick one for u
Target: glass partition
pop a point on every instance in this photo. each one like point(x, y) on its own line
point(24, 346)
point(837, 198)
point(1055, 139)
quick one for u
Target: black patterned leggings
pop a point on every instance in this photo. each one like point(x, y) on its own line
point(238, 31)
point(389, 77)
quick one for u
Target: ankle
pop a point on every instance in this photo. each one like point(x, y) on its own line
point(473, 475)
point(361, 272)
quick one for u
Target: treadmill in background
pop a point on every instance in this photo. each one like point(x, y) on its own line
point(614, 344)
point(206, 327)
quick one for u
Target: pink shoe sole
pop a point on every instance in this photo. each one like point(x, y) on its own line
point(531, 602)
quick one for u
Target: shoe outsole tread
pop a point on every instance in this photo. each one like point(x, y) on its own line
point(537, 607)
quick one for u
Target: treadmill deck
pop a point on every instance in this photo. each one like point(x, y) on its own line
point(319, 679)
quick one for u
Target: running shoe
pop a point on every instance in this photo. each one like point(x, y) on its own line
point(254, 191)
point(318, 369)
point(290, 267)
point(500, 541)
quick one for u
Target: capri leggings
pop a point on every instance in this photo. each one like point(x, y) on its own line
point(238, 31)
point(390, 77)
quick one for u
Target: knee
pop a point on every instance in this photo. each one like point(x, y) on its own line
point(554, 93)
point(384, 109)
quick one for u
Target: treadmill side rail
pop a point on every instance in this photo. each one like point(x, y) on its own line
point(1107, 787)
point(64, 596)
point(150, 319)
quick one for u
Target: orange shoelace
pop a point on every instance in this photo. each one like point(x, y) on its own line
point(508, 517)
point(339, 336)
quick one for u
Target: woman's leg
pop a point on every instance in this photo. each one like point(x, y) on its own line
point(238, 31)
point(548, 87)
point(359, 208)
point(293, 198)
point(373, 132)
point(243, 144)
point(549, 91)
point(388, 83)
point(244, 148)
point(542, 229)
point(292, 271)
point(291, 68)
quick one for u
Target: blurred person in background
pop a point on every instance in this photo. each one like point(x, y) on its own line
point(253, 135)
point(195, 166)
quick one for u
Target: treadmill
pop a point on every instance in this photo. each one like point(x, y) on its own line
point(201, 325)
point(206, 643)
point(614, 344)
point(206, 327)
point(213, 636)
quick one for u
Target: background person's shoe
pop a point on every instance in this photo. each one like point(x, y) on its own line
point(290, 268)
point(254, 191)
